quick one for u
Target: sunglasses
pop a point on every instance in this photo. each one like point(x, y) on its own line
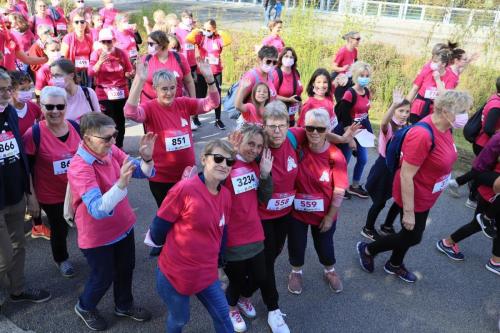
point(219, 159)
point(358, 39)
point(80, 1)
point(152, 44)
point(271, 62)
point(51, 107)
point(106, 41)
point(107, 138)
point(320, 130)
point(79, 22)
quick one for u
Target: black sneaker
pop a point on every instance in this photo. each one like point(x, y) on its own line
point(371, 234)
point(366, 261)
point(387, 230)
point(401, 272)
point(220, 125)
point(347, 196)
point(487, 226)
point(32, 295)
point(92, 319)
point(135, 312)
point(358, 191)
point(197, 121)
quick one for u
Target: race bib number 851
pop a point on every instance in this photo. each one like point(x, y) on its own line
point(178, 142)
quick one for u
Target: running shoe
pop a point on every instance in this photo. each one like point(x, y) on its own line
point(387, 230)
point(492, 267)
point(92, 319)
point(366, 261)
point(135, 312)
point(471, 204)
point(220, 125)
point(197, 121)
point(358, 191)
point(194, 127)
point(40, 231)
point(453, 188)
point(401, 272)
point(334, 281)
point(487, 226)
point(66, 269)
point(276, 322)
point(295, 283)
point(238, 322)
point(453, 252)
point(246, 307)
point(347, 196)
point(371, 234)
point(31, 295)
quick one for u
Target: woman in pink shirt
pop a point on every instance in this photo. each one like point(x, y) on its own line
point(342, 62)
point(111, 67)
point(108, 13)
point(98, 177)
point(77, 47)
point(52, 48)
point(252, 112)
point(168, 116)
point(181, 32)
point(21, 30)
point(41, 16)
point(50, 146)
point(97, 23)
point(125, 36)
point(274, 38)
point(57, 14)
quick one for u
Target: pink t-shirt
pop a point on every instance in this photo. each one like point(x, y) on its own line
point(33, 114)
point(275, 41)
point(102, 174)
point(493, 102)
point(345, 57)
point(79, 50)
point(9, 45)
point(35, 21)
point(78, 105)
point(43, 77)
point(125, 40)
point(245, 227)
point(172, 65)
point(435, 166)
point(252, 76)
point(110, 81)
point(52, 161)
point(108, 16)
point(286, 88)
point(252, 116)
point(25, 39)
point(359, 111)
point(61, 23)
point(191, 251)
point(383, 139)
point(210, 51)
point(315, 103)
point(187, 49)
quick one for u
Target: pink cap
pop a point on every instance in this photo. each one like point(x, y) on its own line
point(106, 34)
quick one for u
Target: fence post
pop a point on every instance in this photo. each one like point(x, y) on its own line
point(471, 16)
point(497, 19)
point(447, 16)
point(422, 13)
point(322, 5)
point(379, 9)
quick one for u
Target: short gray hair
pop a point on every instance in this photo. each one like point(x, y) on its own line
point(219, 143)
point(93, 122)
point(453, 101)
point(5, 76)
point(275, 110)
point(163, 75)
point(50, 91)
point(320, 115)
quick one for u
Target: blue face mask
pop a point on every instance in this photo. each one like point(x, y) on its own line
point(364, 81)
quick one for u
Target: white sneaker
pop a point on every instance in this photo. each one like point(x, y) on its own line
point(453, 188)
point(471, 204)
point(238, 322)
point(276, 322)
point(247, 307)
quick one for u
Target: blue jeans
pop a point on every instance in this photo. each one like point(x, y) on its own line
point(361, 159)
point(212, 297)
point(267, 15)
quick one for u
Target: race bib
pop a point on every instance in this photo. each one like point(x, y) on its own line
point(334, 122)
point(308, 203)
point(61, 27)
point(243, 180)
point(115, 93)
point(188, 47)
point(361, 117)
point(8, 146)
point(61, 166)
point(280, 201)
point(179, 142)
point(132, 53)
point(441, 185)
point(213, 60)
point(431, 93)
point(293, 109)
point(81, 62)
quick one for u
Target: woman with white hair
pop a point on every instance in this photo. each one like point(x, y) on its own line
point(320, 185)
point(50, 146)
point(169, 116)
point(428, 154)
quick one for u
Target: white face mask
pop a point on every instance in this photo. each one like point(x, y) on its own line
point(152, 50)
point(460, 120)
point(207, 33)
point(287, 62)
point(25, 96)
point(58, 82)
point(434, 66)
point(187, 21)
point(266, 68)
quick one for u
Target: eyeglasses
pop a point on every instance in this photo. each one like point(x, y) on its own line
point(275, 127)
point(358, 38)
point(107, 138)
point(320, 130)
point(80, 1)
point(79, 22)
point(51, 107)
point(271, 62)
point(152, 44)
point(3, 90)
point(219, 159)
point(106, 41)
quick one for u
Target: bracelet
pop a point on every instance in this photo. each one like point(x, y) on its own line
point(147, 160)
point(211, 83)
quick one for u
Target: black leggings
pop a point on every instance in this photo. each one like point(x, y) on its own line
point(202, 88)
point(245, 277)
point(58, 231)
point(275, 231)
point(401, 242)
point(114, 109)
point(160, 190)
point(375, 210)
point(470, 175)
point(473, 227)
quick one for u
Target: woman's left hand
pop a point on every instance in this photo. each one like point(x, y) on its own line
point(206, 71)
point(33, 206)
point(266, 163)
point(326, 223)
point(146, 146)
point(351, 131)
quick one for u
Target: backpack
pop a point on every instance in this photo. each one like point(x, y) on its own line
point(87, 96)
point(230, 98)
point(473, 126)
point(300, 153)
point(393, 148)
point(355, 94)
point(177, 58)
point(35, 130)
point(280, 80)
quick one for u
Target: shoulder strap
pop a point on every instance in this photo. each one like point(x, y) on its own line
point(280, 77)
point(367, 93)
point(87, 96)
point(256, 76)
point(294, 79)
point(148, 57)
point(178, 59)
point(354, 95)
point(75, 125)
point(429, 129)
point(293, 139)
point(35, 130)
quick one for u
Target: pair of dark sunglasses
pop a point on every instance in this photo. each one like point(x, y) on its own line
point(152, 44)
point(358, 39)
point(79, 22)
point(51, 107)
point(271, 62)
point(219, 159)
point(107, 138)
point(320, 130)
point(106, 41)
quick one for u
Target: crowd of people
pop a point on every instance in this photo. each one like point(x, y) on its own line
point(70, 80)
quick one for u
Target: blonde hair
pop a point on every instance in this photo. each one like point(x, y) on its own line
point(218, 143)
point(158, 15)
point(453, 101)
point(358, 68)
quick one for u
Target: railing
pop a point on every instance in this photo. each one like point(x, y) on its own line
point(401, 11)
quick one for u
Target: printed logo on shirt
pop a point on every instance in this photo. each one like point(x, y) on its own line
point(368, 104)
point(176, 74)
point(325, 177)
point(455, 148)
point(184, 122)
point(222, 221)
point(291, 164)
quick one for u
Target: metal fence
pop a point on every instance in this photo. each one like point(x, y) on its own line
point(400, 11)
